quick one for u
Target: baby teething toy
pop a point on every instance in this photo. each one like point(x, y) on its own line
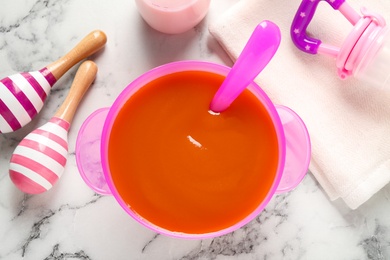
point(365, 54)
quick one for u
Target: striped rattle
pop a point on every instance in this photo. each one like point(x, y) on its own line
point(22, 95)
point(39, 160)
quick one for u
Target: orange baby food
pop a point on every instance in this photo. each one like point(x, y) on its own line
point(185, 169)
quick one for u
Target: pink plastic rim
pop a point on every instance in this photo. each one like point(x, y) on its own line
point(298, 149)
point(348, 46)
point(172, 68)
point(87, 152)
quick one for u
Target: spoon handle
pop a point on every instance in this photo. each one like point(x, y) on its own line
point(93, 42)
point(256, 54)
point(85, 75)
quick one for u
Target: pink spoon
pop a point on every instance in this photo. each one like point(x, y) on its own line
point(39, 160)
point(22, 95)
point(258, 51)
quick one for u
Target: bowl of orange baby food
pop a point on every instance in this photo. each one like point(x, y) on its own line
point(182, 170)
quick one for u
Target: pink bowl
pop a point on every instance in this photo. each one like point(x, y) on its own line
point(92, 145)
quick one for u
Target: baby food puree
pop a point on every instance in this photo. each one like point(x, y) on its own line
point(184, 168)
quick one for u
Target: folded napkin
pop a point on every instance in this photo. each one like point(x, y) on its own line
point(348, 121)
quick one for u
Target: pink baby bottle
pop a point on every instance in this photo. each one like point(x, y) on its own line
point(172, 16)
point(364, 54)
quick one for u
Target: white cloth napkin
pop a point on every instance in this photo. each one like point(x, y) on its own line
point(348, 121)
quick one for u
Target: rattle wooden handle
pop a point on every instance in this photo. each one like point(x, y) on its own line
point(93, 42)
point(85, 75)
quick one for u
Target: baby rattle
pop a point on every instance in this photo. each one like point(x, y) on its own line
point(39, 160)
point(22, 95)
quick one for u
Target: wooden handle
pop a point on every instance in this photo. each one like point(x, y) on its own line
point(85, 75)
point(93, 42)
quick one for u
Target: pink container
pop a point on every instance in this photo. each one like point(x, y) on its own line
point(92, 145)
point(172, 16)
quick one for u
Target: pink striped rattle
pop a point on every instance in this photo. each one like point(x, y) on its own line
point(22, 95)
point(39, 160)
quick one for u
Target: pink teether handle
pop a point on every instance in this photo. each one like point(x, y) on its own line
point(302, 20)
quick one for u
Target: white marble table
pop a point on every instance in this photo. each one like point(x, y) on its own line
point(72, 222)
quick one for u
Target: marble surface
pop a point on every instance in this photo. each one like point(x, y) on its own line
point(72, 222)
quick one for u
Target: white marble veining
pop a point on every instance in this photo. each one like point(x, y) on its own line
point(72, 222)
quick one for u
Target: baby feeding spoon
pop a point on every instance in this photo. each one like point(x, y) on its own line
point(257, 52)
point(39, 160)
point(22, 95)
